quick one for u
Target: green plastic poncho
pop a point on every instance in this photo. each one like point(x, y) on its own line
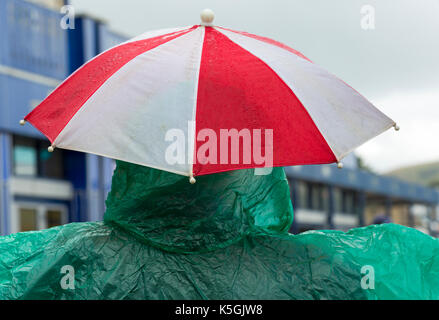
point(225, 237)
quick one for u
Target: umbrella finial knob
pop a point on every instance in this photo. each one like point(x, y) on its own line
point(396, 127)
point(22, 122)
point(192, 180)
point(340, 165)
point(51, 148)
point(207, 17)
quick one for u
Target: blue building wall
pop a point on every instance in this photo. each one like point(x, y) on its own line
point(36, 54)
point(5, 198)
point(33, 59)
point(32, 39)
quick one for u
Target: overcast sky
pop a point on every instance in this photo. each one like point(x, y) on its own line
point(394, 65)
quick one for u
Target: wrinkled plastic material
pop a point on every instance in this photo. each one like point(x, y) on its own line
point(224, 237)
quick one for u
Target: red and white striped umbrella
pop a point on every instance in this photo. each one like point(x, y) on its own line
point(199, 83)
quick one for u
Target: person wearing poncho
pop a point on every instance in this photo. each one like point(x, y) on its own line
point(225, 237)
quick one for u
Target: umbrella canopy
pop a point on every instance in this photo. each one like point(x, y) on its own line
point(204, 99)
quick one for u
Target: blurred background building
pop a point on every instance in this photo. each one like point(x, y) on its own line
point(324, 197)
point(39, 189)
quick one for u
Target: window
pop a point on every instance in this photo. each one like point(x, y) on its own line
point(348, 201)
point(31, 158)
point(28, 219)
point(51, 164)
point(25, 160)
point(338, 199)
point(344, 201)
point(318, 197)
point(312, 196)
point(54, 218)
point(302, 194)
point(37, 216)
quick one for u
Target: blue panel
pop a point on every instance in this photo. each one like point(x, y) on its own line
point(17, 98)
point(40, 200)
point(75, 168)
point(83, 42)
point(108, 168)
point(93, 188)
point(32, 39)
point(108, 38)
point(75, 172)
point(5, 174)
point(90, 40)
point(75, 46)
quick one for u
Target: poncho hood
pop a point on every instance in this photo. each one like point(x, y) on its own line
point(166, 211)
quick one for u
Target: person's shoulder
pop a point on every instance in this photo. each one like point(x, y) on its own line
point(33, 260)
point(69, 232)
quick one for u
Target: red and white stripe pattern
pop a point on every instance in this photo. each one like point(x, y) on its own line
point(121, 103)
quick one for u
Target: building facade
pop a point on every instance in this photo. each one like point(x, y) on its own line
point(39, 189)
point(325, 197)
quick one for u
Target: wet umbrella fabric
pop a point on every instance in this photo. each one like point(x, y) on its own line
point(196, 84)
